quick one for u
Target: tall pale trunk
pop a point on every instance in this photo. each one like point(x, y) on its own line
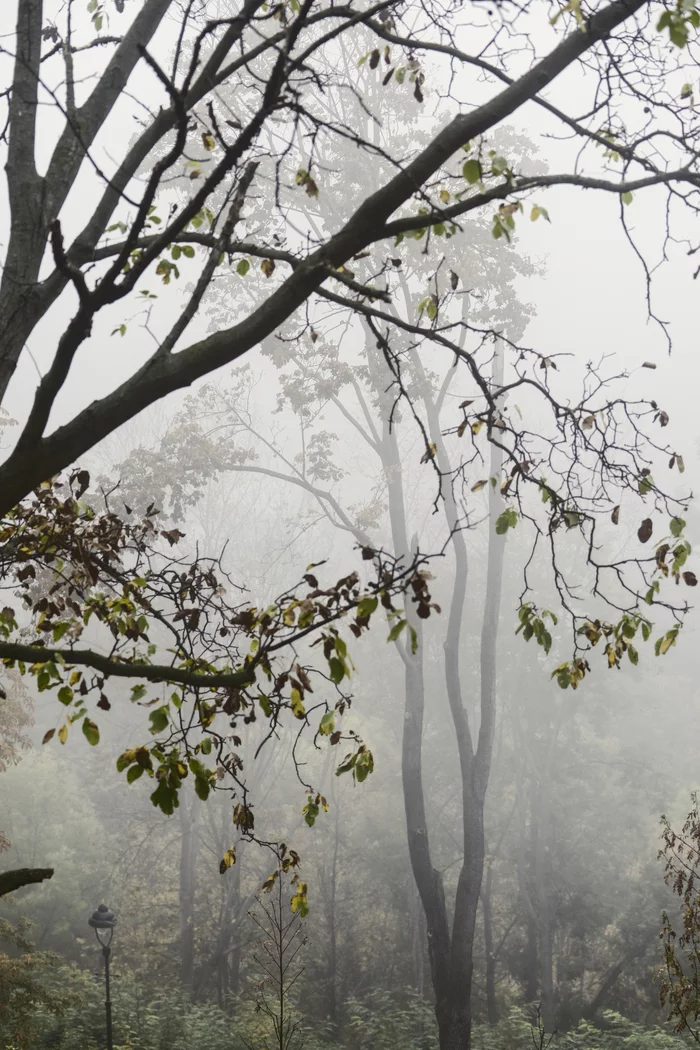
point(189, 818)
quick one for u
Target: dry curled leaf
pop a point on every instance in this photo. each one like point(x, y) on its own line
point(645, 530)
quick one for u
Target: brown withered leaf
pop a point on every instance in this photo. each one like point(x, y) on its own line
point(661, 553)
point(690, 578)
point(615, 516)
point(645, 530)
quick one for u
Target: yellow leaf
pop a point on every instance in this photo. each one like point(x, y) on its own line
point(476, 427)
point(63, 733)
point(429, 453)
point(228, 860)
point(298, 709)
point(444, 196)
point(208, 141)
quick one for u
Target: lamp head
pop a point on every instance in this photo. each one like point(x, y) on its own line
point(103, 922)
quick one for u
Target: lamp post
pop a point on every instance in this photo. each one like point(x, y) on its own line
point(103, 923)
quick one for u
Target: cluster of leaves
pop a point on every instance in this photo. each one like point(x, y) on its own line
point(79, 570)
point(23, 988)
point(617, 636)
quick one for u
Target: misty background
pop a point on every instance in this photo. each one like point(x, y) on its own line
point(273, 466)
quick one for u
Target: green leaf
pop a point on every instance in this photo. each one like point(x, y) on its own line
point(364, 765)
point(677, 525)
point(366, 607)
point(310, 811)
point(59, 630)
point(471, 170)
point(327, 723)
point(91, 732)
point(507, 520)
point(337, 670)
point(396, 630)
point(243, 267)
point(165, 798)
point(188, 251)
point(626, 197)
point(133, 773)
point(159, 720)
point(65, 695)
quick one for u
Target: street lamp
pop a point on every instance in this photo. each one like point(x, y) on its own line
point(103, 923)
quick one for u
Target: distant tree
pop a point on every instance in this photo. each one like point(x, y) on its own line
point(679, 977)
point(23, 989)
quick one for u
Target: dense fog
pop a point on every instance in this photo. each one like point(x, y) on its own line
point(410, 545)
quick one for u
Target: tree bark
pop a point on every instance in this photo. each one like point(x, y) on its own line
point(13, 880)
point(188, 813)
point(486, 908)
point(543, 891)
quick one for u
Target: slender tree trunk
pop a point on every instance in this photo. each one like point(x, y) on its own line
point(452, 979)
point(331, 918)
point(428, 879)
point(543, 891)
point(188, 813)
point(532, 965)
point(418, 943)
point(486, 907)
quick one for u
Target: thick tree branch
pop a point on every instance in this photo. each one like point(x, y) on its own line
point(14, 880)
point(114, 669)
point(160, 375)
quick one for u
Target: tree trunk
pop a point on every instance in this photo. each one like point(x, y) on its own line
point(532, 965)
point(486, 900)
point(418, 943)
point(543, 890)
point(188, 813)
point(452, 976)
point(332, 922)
